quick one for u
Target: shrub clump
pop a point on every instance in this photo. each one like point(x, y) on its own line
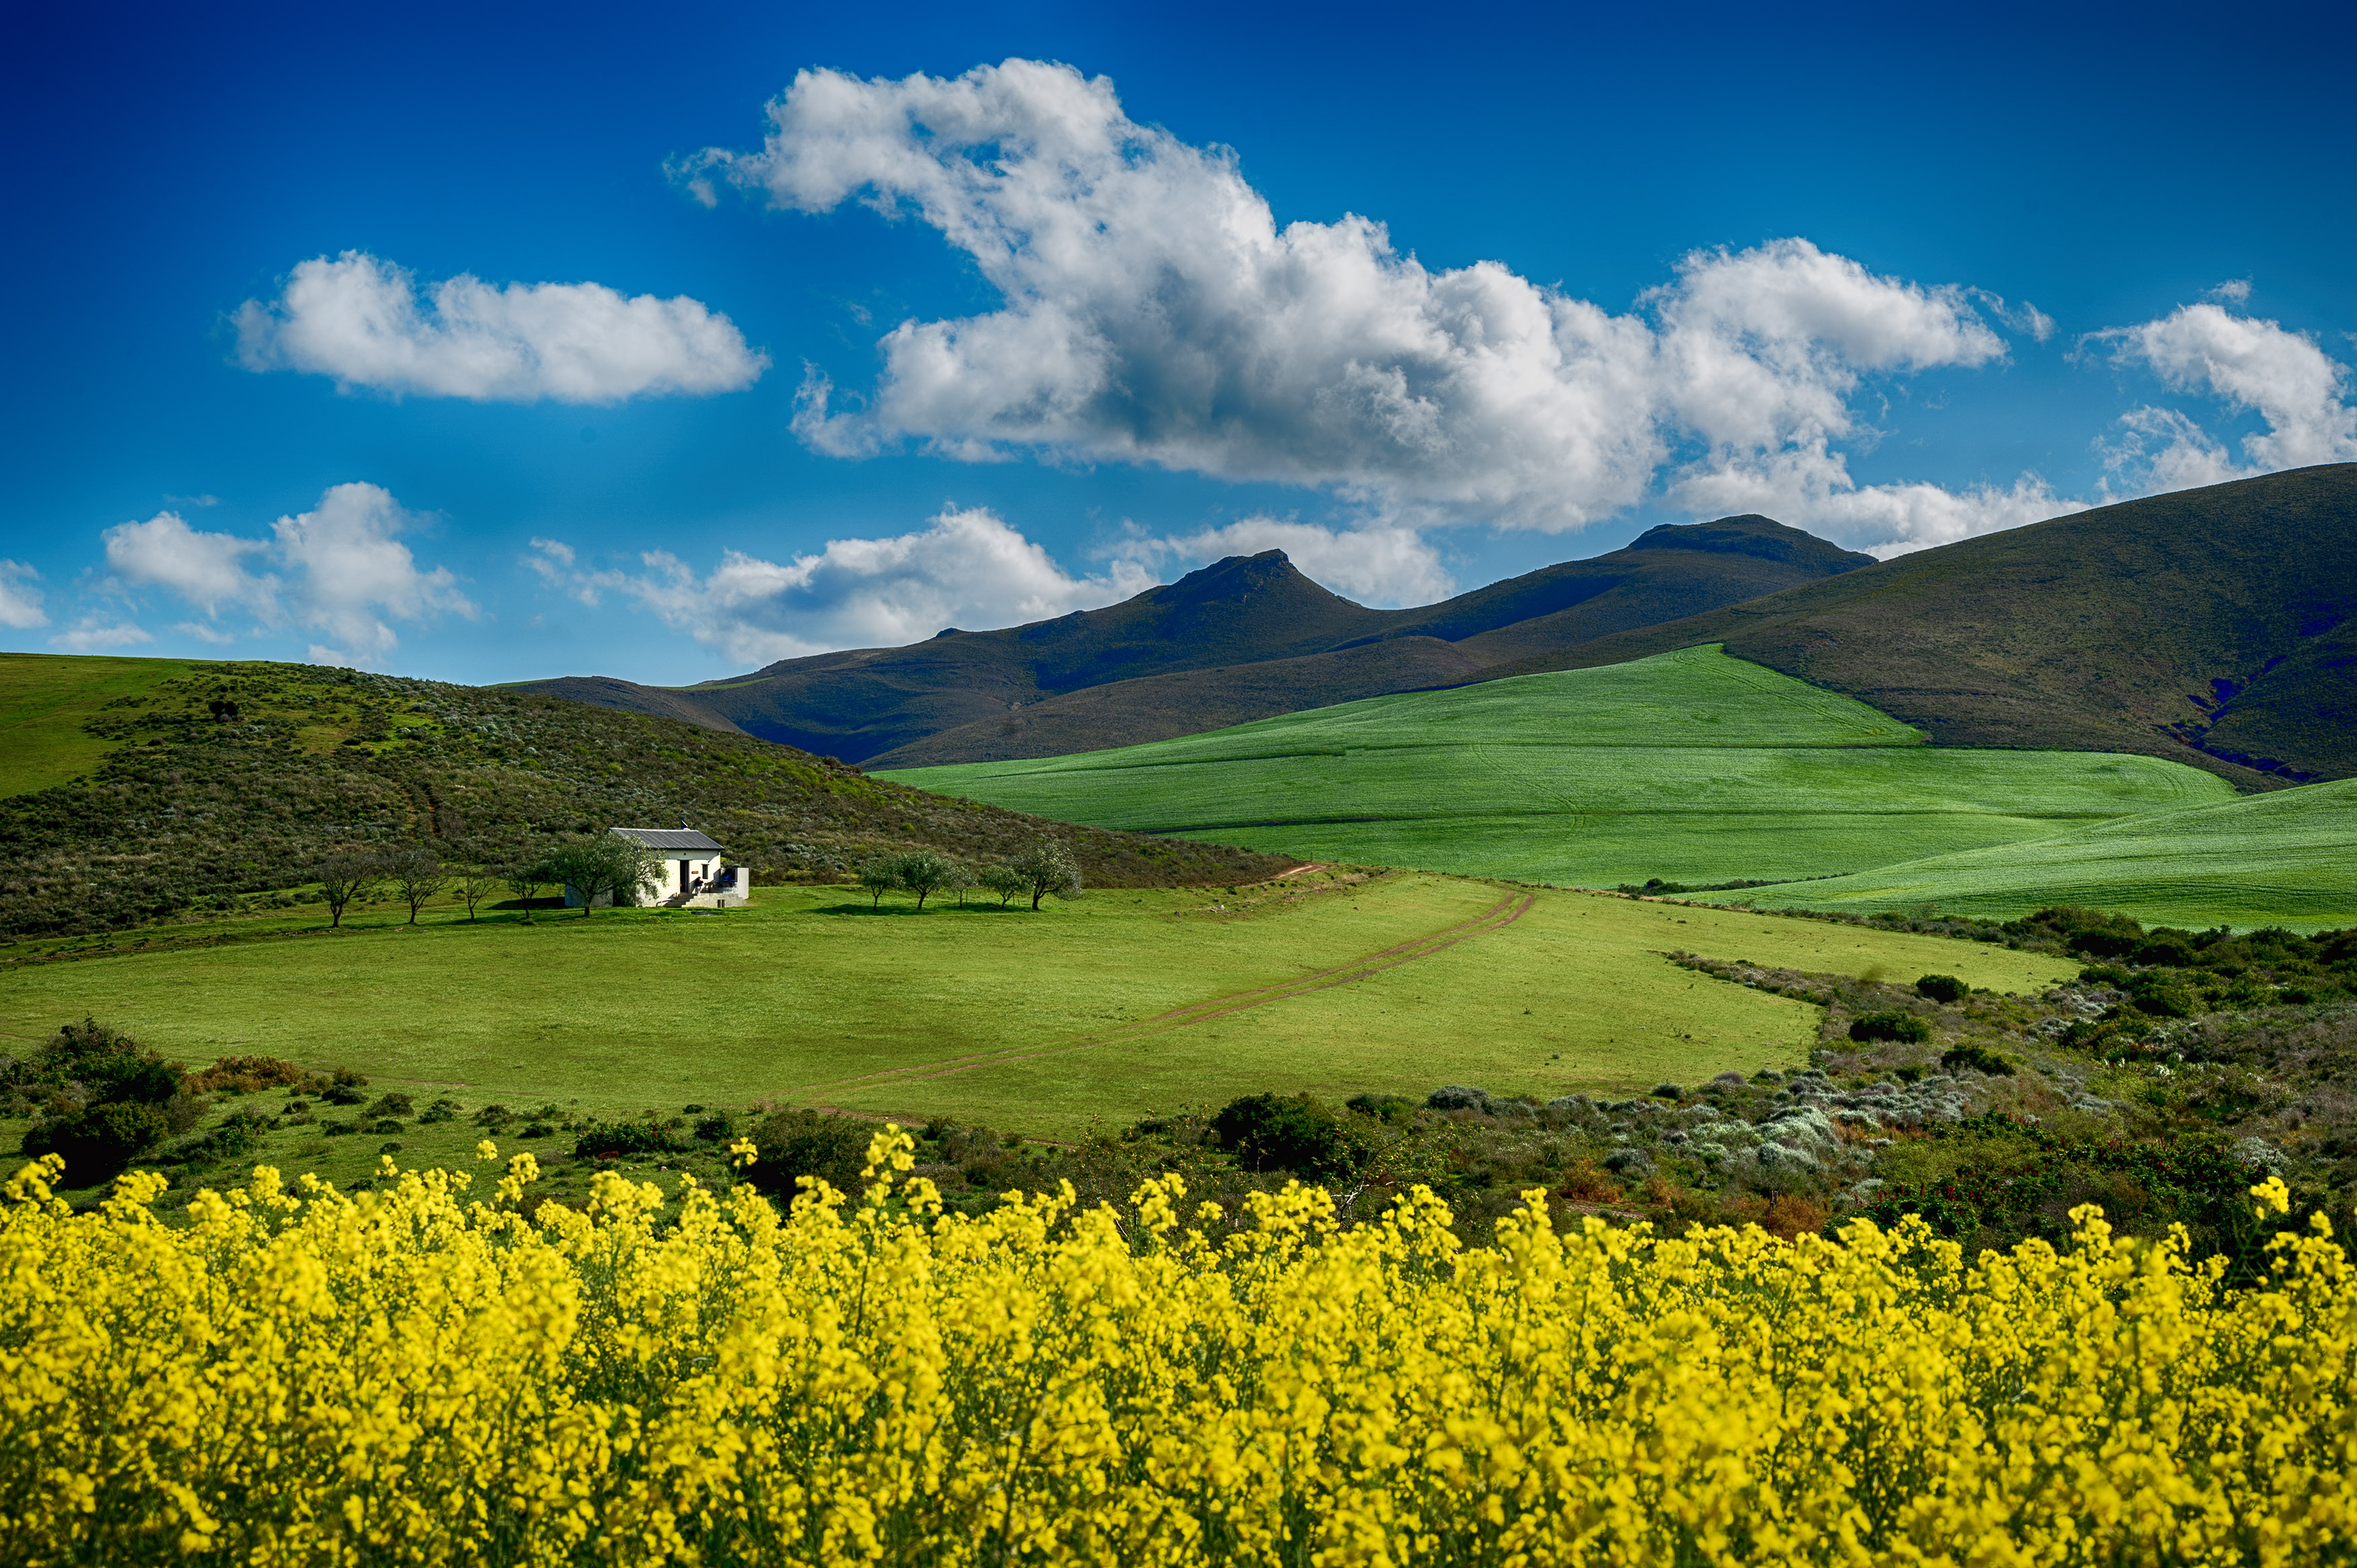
point(1978, 1058)
point(1903, 1027)
point(1942, 988)
point(99, 1141)
point(1294, 1132)
point(614, 1139)
point(790, 1144)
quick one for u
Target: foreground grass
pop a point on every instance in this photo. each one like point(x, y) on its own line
point(1041, 1024)
point(2286, 859)
point(1690, 766)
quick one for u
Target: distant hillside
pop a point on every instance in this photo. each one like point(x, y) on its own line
point(1244, 638)
point(1689, 765)
point(2288, 858)
point(235, 781)
point(2213, 625)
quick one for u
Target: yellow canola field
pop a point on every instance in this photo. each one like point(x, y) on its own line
point(404, 1376)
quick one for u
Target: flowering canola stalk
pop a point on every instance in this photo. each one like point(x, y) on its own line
point(409, 1376)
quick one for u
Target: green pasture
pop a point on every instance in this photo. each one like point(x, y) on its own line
point(993, 1016)
point(2284, 859)
point(45, 698)
point(1691, 766)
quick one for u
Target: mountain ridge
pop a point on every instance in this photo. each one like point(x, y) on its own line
point(1245, 637)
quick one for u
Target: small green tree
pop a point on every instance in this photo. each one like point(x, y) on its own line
point(1047, 867)
point(606, 865)
point(961, 879)
point(347, 877)
point(1005, 881)
point(416, 875)
point(880, 874)
point(926, 871)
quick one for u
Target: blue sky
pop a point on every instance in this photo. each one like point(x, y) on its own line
point(1897, 280)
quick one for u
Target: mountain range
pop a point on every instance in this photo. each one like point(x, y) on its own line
point(1246, 637)
point(2212, 625)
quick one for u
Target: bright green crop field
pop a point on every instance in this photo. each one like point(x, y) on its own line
point(2287, 858)
point(44, 701)
point(1691, 766)
point(1102, 1010)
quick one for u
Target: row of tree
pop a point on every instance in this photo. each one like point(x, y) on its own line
point(613, 869)
point(602, 866)
point(1044, 870)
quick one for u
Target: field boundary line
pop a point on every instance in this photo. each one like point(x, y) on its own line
point(1497, 917)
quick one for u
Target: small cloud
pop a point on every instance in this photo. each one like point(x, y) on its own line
point(20, 602)
point(2246, 363)
point(204, 633)
point(339, 568)
point(965, 568)
point(192, 500)
point(93, 633)
point(360, 320)
point(2233, 291)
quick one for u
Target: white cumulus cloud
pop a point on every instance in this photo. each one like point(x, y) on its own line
point(360, 320)
point(965, 568)
point(20, 601)
point(339, 569)
point(2251, 365)
point(94, 633)
point(1154, 312)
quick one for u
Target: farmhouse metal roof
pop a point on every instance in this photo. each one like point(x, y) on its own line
point(669, 838)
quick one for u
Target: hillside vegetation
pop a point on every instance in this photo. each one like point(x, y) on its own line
point(1690, 766)
point(1240, 639)
point(2217, 626)
point(2288, 858)
point(232, 783)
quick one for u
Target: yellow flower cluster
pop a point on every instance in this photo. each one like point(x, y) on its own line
point(406, 1376)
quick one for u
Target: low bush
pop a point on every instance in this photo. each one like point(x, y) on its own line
point(1942, 988)
point(246, 1075)
point(1294, 1133)
point(1978, 1058)
point(791, 1144)
point(600, 1139)
point(1903, 1027)
point(98, 1141)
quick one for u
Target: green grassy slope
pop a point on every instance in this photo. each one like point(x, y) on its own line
point(2287, 858)
point(45, 701)
point(188, 809)
point(1689, 765)
point(987, 1015)
point(2217, 625)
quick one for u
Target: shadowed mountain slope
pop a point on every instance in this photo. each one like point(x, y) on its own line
point(2215, 625)
point(1243, 639)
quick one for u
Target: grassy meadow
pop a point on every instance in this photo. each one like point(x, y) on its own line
point(45, 701)
point(1043, 1024)
point(2287, 858)
point(1691, 766)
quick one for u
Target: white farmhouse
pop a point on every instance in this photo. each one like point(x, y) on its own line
point(695, 873)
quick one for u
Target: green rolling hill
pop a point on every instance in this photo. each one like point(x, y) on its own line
point(1690, 766)
point(2286, 858)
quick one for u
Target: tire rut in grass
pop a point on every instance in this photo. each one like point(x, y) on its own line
point(1497, 917)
